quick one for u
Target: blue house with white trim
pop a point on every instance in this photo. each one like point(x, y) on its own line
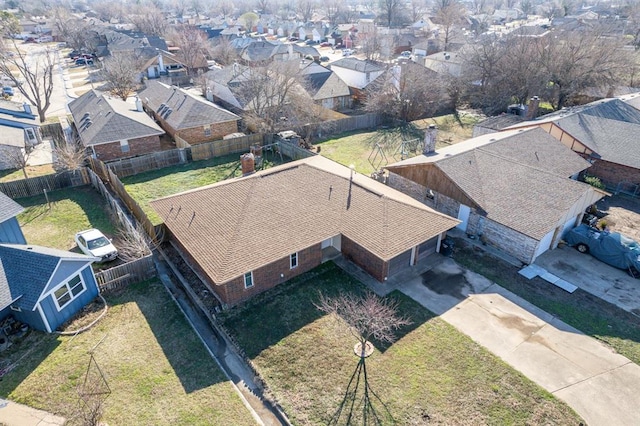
point(40, 286)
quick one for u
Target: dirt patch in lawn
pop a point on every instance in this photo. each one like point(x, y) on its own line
point(623, 215)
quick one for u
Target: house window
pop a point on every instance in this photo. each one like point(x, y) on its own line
point(293, 260)
point(69, 291)
point(207, 131)
point(124, 146)
point(248, 280)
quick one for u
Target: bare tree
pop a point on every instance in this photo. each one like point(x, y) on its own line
point(332, 9)
point(370, 45)
point(409, 91)
point(149, 19)
point(368, 316)
point(32, 75)
point(417, 10)
point(19, 158)
point(121, 72)
point(133, 244)
point(70, 155)
point(390, 10)
point(578, 60)
point(448, 17)
point(193, 45)
point(223, 52)
point(305, 9)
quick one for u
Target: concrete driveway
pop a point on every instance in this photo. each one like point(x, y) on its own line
point(590, 274)
point(600, 385)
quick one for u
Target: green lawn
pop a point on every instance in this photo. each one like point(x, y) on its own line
point(589, 314)
point(71, 210)
point(358, 148)
point(145, 187)
point(157, 369)
point(32, 171)
point(432, 373)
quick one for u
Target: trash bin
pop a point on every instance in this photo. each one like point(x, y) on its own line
point(446, 247)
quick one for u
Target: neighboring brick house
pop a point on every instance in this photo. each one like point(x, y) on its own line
point(605, 133)
point(183, 115)
point(110, 128)
point(511, 189)
point(247, 235)
point(19, 131)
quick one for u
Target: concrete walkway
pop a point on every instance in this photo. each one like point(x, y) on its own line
point(14, 414)
point(600, 385)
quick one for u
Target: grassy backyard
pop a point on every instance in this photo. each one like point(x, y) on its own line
point(71, 210)
point(432, 373)
point(356, 148)
point(145, 187)
point(157, 369)
point(589, 314)
point(32, 171)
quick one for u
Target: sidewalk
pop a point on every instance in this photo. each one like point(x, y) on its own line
point(600, 385)
point(14, 414)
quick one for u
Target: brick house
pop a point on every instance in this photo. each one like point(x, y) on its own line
point(247, 235)
point(110, 128)
point(512, 190)
point(185, 116)
point(605, 133)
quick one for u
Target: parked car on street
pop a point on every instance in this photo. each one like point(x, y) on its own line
point(325, 44)
point(7, 90)
point(611, 248)
point(84, 61)
point(347, 52)
point(324, 59)
point(92, 242)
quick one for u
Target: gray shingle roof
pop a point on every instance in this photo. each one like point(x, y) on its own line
point(357, 65)
point(240, 225)
point(519, 180)
point(187, 110)
point(609, 127)
point(111, 119)
point(26, 269)
point(8, 208)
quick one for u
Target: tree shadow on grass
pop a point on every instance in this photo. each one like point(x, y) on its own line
point(268, 318)
point(189, 359)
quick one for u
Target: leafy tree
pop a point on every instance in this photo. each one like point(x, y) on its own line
point(248, 20)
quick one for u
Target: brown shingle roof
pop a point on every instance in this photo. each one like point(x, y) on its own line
point(187, 111)
point(237, 226)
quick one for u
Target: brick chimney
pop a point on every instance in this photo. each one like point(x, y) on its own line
point(248, 164)
point(532, 108)
point(430, 139)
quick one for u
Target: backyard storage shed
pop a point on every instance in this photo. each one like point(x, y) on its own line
point(511, 189)
point(247, 235)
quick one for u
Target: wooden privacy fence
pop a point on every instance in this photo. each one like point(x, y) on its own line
point(104, 174)
point(37, 185)
point(342, 125)
point(204, 151)
point(157, 160)
point(293, 151)
point(128, 273)
point(186, 154)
